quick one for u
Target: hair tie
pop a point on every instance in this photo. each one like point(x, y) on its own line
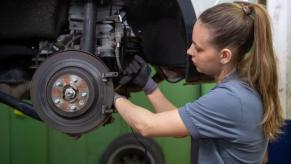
point(247, 10)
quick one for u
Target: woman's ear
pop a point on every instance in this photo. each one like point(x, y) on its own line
point(225, 56)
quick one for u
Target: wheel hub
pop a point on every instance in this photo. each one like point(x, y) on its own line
point(70, 93)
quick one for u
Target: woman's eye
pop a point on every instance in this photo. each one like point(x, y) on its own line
point(198, 49)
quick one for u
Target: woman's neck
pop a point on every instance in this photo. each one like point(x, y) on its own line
point(223, 74)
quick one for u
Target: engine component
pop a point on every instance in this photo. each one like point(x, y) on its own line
point(72, 91)
point(88, 37)
point(105, 42)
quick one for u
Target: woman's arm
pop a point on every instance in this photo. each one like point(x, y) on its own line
point(160, 102)
point(151, 124)
point(139, 72)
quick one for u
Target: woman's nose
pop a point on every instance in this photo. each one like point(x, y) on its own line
point(190, 51)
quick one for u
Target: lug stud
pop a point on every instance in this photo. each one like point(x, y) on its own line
point(81, 102)
point(73, 108)
point(84, 94)
point(59, 84)
point(75, 80)
point(57, 101)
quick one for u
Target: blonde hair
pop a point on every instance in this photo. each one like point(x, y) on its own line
point(245, 29)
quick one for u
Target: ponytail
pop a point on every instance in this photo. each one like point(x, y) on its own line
point(259, 68)
point(245, 29)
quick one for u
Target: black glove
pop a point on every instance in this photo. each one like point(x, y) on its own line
point(138, 71)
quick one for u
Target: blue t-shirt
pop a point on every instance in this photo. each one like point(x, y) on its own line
point(226, 124)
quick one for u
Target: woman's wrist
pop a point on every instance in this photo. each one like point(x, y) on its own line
point(150, 86)
point(117, 96)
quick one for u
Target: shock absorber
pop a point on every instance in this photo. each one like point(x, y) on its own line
point(89, 27)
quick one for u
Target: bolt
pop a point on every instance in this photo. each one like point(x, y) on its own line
point(81, 102)
point(57, 101)
point(75, 80)
point(84, 94)
point(70, 93)
point(59, 84)
point(73, 108)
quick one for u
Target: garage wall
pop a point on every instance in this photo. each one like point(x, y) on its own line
point(27, 141)
point(280, 14)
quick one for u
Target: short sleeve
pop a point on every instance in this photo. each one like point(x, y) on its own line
point(217, 115)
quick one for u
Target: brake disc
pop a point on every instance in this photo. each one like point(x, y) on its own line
point(72, 91)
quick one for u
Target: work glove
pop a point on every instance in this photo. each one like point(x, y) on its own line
point(138, 72)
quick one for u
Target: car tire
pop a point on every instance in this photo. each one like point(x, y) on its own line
point(126, 149)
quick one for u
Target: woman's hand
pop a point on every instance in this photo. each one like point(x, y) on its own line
point(138, 72)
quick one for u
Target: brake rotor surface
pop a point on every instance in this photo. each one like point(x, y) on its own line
point(70, 93)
